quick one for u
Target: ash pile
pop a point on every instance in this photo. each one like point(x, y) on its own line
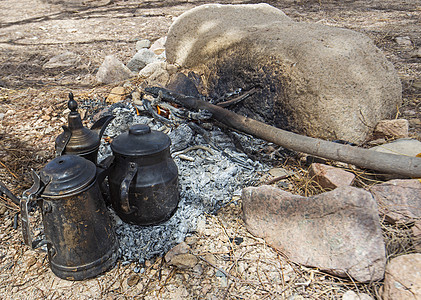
point(213, 166)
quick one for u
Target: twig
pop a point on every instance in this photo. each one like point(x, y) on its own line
point(237, 99)
point(197, 147)
point(13, 174)
point(185, 157)
point(276, 179)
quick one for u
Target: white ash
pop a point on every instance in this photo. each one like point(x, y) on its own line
point(206, 184)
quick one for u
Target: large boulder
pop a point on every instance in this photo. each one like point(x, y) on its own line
point(337, 231)
point(317, 80)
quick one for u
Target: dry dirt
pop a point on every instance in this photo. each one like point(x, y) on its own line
point(236, 265)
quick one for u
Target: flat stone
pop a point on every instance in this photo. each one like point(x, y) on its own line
point(133, 280)
point(407, 147)
point(117, 94)
point(278, 172)
point(184, 261)
point(403, 41)
point(337, 231)
point(112, 70)
point(158, 47)
point(329, 177)
point(64, 60)
point(181, 248)
point(402, 278)
point(143, 44)
point(351, 295)
point(399, 200)
point(397, 128)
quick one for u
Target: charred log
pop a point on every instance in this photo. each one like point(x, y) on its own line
point(365, 158)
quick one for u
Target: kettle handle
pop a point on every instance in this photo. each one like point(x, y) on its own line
point(100, 125)
point(63, 140)
point(28, 196)
point(125, 186)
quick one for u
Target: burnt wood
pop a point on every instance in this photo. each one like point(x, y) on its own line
point(364, 158)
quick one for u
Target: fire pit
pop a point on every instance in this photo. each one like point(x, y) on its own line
point(211, 171)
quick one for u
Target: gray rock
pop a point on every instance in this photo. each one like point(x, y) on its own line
point(64, 60)
point(158, 47)
point(351, 295)
point(338, 231)
point(399, 200)
point(403, 40)
point(402, 278)
point(143, 44)
point(156, 73)
point(397, 128)
point(407, 147)
point(317, 80)
point(329, 177)
point(141, 59)
point(112, 70)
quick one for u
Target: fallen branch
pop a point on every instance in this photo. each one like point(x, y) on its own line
point(364, 158)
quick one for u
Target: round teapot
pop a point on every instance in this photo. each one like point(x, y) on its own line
point(143, 177)
point(79, 235)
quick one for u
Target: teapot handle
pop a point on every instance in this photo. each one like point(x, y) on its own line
point(125, 186)
point(63, 140)
point(28, 196)
point(100, 125)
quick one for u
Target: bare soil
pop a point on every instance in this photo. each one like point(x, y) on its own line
point(235, 264)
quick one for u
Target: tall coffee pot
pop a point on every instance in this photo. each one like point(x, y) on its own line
point(77, 139)
point(78, 231)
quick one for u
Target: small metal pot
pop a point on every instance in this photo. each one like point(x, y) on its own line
point(79, 235)
point(143, 177)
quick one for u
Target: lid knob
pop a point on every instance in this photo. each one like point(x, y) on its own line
point(139, 129)
point(72, 104)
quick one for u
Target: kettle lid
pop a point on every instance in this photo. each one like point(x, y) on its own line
point(67, 174)
point(140, 140)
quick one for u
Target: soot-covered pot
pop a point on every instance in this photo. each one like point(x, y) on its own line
point(143, 177)
point(78, 231)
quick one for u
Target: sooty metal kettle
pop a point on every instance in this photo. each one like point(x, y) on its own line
point(80, 238)
point(143, 177)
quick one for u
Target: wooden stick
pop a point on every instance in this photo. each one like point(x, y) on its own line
point(365, 158)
